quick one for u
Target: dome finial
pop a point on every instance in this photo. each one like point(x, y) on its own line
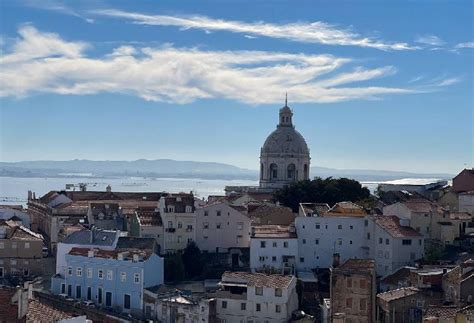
point(286, 99)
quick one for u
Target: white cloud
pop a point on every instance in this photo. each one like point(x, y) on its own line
point(57, 6)
point(448, 81)
point(316, 32)
point(430, 40)
point(44, 63)
point(465, 45)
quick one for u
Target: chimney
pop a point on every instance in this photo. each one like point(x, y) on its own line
point(252, 231)
point(108, 189)
point(90, 253)
point(336, 258)
point(445, 271)
point(135, 257)
point(120, 256)
point(30, 195)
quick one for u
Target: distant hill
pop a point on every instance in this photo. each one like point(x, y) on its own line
point(180, 169)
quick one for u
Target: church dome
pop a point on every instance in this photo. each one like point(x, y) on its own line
point(285, 140)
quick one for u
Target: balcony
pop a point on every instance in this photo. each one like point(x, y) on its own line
point(227, 294)
point(170, 230)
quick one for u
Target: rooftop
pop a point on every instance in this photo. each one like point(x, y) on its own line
point(41, 312)
point(97, 237)
point(398, 293)
point(442, 311)
point(136, 243)
point(391, 224)
point(311, 209)
point(359, 264)
point(110, 254)
point(256, 279)
point(16, 232)
point(274, 232)
point(149, 216)
point(346, 209)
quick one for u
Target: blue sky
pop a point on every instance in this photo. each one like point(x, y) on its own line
point(373, 85)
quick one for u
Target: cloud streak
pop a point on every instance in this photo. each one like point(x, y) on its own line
point(316, 32)
point(45, 63)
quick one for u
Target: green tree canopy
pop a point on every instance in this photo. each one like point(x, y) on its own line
point(192, 260)
point(329, 190)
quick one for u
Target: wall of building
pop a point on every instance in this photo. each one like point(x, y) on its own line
point(466, 202)
point(272, 255)
point(234, 231)
point(336, 234)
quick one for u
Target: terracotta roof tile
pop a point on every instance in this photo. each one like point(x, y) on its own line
point(391, 224)
point(257, 279)
point(398, 293)
point(41, 312)
point(273, 231)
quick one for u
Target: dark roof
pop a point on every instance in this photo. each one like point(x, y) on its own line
point(101, 195)
point(180, 201)
point(402, 275)
point(8, 310)
point(398, 293)
point(136, 243)
point(359, 264)
point(109, 210)
point(97, 237)
point(110, 254)
point(149, 216)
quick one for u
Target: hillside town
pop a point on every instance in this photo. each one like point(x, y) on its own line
point(75, 255)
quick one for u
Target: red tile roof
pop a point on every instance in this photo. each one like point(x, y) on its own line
point(398, 293)
point(41, 312)
point(8, 311)
point(274, 232)
point(358, 264)
point(257, 279)
point(391, 224)
point(109, 254)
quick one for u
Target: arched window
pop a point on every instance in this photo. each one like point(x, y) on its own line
point(261, 170)
point(305, 171)
point(291, 171)
point(273, 171)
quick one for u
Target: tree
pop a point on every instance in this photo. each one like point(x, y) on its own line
point(329, 190)
point(174, 268)
point(192, 260)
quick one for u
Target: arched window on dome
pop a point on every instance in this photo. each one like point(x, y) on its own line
point(273, 171)
point(261, 170)
point(291, 171)
point(305, 171)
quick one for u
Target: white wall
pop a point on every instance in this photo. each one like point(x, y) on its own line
point(234, 229)
point(273, 248)
point(347, 240)
point(466, 203)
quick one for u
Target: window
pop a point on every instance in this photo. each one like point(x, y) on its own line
point(205, 237)
point(406, 242)
point(69, 271)
point(27, 245)
point(318, 226)
point(366, 223)
point(170, 224)
point(78, 292)
point(189, 227)
point(258, 290)
point(126, 301)
point(368, 235)
point(224, 304)
point(349, 282)
point(420, 242)
point(285, 244)
point(304, 241)
point(206, 213)
point(243, 306)
point(123, 276)
point(1, 273)
point(2, 245)
point(363, 304)
point(350, 241)
point(63, 288)
point(206, 225)
point(339, 227)
point(348, 302)
point(79, 272)
point(179, 239)
point(218, 225)
point(69, 290)
point(274, 258)
point(14, 245)
point(263, 244)
point(351, 227)
point(380, 240)
point(273, 171)
point(339, 242)
point(89, 272)
point(100, 274)
point(363, 284)
point(180, 225)
point(277, 308)
point(89, 293)
point(240, 225)
point(316, 241)
point(109, 275)
point(387, 241)
point(136, 278)
point(261, 258)
point(218, 213)
point(278, 292)
point(301, 259)
point(258, 307)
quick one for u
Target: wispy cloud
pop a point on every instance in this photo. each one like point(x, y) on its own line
point(430, 40)
point(45, 63)
point(59, 7)
point(448, 81)
point(315, 32)
point(465, 45)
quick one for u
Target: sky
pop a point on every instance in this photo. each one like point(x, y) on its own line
point(373, 85)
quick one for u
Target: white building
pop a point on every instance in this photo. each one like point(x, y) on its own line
point(341, 230)
point(177, 213)
point(284, 157)
point(466, 202)
point(245, 297)
point(273, 248)
point(220, 226)
point(392, 244)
